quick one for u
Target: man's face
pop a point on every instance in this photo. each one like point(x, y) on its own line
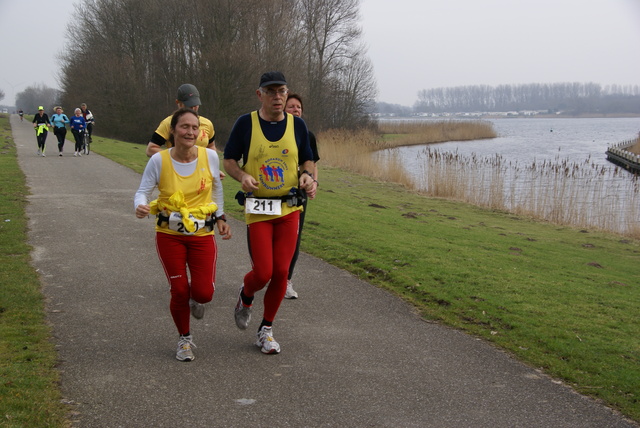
point(273, 98)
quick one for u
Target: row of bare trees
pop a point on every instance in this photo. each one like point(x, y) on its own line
point(572, 97)
point(38, 95)
point(126, 59)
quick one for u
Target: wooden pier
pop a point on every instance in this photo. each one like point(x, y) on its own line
point(620, 155)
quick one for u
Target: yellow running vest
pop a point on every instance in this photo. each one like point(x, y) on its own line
point(196, 189)
point(274, 164)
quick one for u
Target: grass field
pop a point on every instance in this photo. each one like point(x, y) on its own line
point(29, 394)
point(558, 298)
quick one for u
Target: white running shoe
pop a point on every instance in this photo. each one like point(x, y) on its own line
point(75, 154)
point(184, 349)
point(266, 342)
point(197, 309)
point(291, 293)
point(242, 313)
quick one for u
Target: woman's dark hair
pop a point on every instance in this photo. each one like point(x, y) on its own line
point(297, 97)
point(176, 117)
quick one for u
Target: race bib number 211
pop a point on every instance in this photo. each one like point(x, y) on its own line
point(263, 206)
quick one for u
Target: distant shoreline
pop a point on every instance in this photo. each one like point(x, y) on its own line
point(568, 116)
point(521, 116)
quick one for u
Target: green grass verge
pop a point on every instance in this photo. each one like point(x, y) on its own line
point(558, 298)
point(561, 299)
point(29, 393)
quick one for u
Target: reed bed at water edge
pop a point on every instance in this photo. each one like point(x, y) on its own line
point(574, 193)
point(408, 132)
point(352, 150)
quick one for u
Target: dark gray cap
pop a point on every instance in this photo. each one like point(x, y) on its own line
point(272, 78)
point(189, 95)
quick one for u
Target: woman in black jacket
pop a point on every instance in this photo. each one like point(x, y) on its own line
point(41, 124)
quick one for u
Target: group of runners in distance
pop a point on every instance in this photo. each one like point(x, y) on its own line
point(190, 204)
point(82, 121)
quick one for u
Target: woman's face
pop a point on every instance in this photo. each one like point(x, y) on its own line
point(59, 111)
point(186, 131)
point(293, 107)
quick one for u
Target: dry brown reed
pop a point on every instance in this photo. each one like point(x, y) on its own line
point(353, 151)
point(406, 133)
point(580, 194)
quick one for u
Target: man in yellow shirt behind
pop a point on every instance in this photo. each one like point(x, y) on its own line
point(188, 96)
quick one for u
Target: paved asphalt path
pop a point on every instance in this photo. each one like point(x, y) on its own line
point(352, 355)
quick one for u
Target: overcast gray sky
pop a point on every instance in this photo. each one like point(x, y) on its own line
point(414, 44)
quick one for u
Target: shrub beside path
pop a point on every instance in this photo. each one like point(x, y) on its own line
point(352, 355)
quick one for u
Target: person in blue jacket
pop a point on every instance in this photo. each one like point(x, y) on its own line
point(78, 127)
point(60, 122)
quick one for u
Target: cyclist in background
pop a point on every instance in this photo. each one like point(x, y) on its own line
point(88, 118)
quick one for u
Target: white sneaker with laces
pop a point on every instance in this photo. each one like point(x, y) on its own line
point(291, 293)
point(184, 352)
point(266, 342)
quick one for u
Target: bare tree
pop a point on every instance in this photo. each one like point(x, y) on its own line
point(572, 98)
point(126, 58)
point(331, 33)
point(37, 95)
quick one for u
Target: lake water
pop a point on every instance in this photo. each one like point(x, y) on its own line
point(528, 140)
point(524, 144)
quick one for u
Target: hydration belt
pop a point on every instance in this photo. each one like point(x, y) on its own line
point(208, 223)
point(295, 197)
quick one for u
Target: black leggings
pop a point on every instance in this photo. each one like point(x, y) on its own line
point(297, 252)
point(60, 133)
point(42, 138)
point(78, 136)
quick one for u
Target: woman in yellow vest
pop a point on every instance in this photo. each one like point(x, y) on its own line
point(190, 202)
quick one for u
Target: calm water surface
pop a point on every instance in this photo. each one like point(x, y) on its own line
point(603, 200)
point(528, 140)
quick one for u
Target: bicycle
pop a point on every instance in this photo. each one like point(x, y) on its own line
point(86, 142)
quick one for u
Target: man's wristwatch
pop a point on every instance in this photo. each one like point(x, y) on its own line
point(222, 217)
point(308, 173)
